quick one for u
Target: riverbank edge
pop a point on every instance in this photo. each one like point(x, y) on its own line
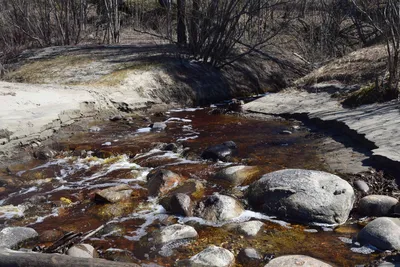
point(373, 126)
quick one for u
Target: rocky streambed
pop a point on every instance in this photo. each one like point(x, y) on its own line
point(194, 187)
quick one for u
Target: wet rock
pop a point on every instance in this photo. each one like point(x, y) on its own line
point(389, 264)
point(286, 132)
point(171, 147)
point(50, 235)
point(82, 251)
point(362, 186)
point(158, 126)
point(249, 257)
point(116, 118)
point(238, 175)
point(113, 194)
point(212, 256)
point(113, 229)
point(12, 237)
point(382, 233)
point(161, 181)
point(36, 199)
point(11, 211)
point(249, 229)
point(193, 188)
point(217, 208)
point(303, 195)
point(220, 152)
point(173, 233)
point(296, 260)
point(377, 205)
point(45, 153)
point(179, 204)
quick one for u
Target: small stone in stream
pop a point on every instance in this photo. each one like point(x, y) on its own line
point(238, 175)
point(82, 251)
point(94, 129)
point(116, 118)
point(217, 208)
point(179, 204)
point(50, 235)
point(296, 260)
point(362, 186)
point(377, 205)
point(249, 256)
point(249, 229)
point(173, 233)
point(11, 237)
point(45, 153)
point(114, 194)
point(36, 199)
point(212, 256)
point(158, 126)
point(220, 152)
point(286, 132)
point(161, 181)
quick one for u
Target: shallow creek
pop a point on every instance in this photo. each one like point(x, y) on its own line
point(124, 153)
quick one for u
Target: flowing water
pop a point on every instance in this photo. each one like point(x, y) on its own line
point(124, 152)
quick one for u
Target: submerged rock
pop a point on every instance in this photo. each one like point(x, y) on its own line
point(12, 237)
point(114, 194)
point(377, 205)
point(382, 233)
point(220, 152)
point(303, 195)
point(50, 235)
point(45, 153)
point(161, 181)
point(212, 256)
point(237, 175)
point(82, 251)
point(296, 260)
point(218, 208)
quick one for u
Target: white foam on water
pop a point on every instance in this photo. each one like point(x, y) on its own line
point(363, 250)
point(11, 211)
point(187, 138)
point(174, 119)
point(144, 130)
point(185, 109)
point(106, 144)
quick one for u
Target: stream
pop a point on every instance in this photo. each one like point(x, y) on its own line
point(58, 194)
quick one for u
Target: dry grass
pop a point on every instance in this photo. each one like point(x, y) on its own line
point(48, 69)
point(361, 66)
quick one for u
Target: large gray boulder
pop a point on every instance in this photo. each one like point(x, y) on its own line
point(303, 196)
point(212, 256)
point(377, 205)
point(382, 233)
point(296, 260)
point(219, 208)
point(11, 237)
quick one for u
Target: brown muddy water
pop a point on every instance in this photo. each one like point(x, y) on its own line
point(125, 151)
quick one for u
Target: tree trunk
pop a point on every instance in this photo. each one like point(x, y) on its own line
point(181, 30)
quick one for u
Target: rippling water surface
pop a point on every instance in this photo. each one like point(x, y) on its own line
point(124, 153)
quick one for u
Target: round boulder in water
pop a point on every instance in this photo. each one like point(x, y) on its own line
point(383, 233)
point(296, 260)
point(303, 196)
point(238, 175)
